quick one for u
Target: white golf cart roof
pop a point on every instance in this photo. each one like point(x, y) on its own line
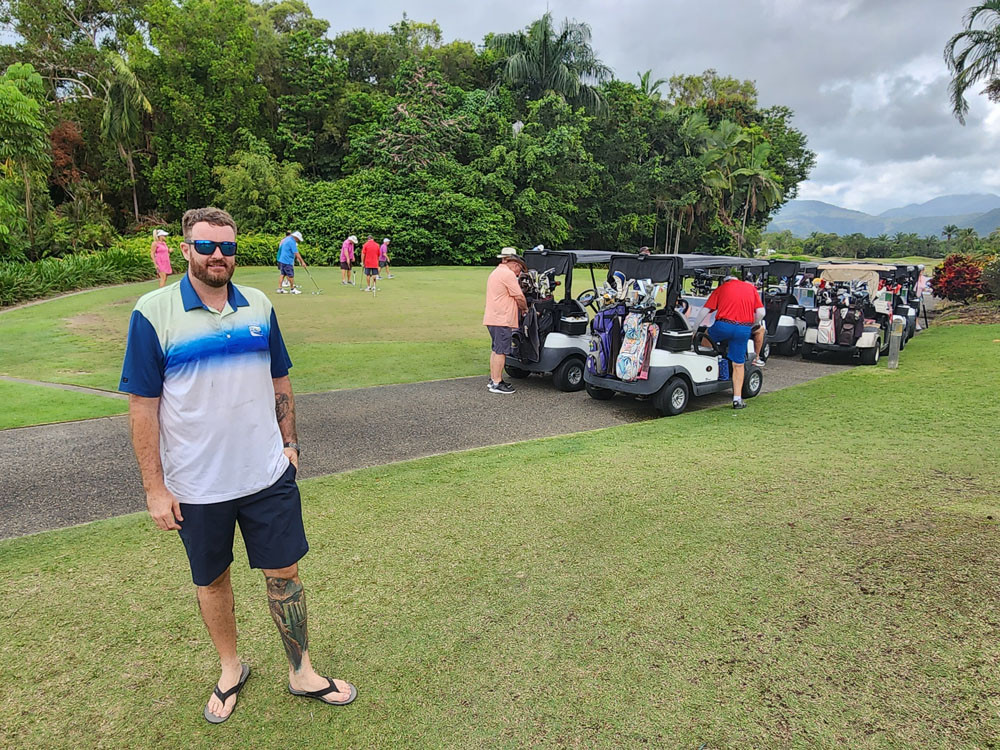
point(866, 273)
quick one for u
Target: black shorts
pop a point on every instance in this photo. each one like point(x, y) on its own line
point(270, 521)
point(345, 265)
point(371, 272)
point(383, 263)
point(501, 338)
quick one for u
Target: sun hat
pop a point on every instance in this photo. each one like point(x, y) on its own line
point(509, 253)
point(160, 233)
point(353, 239)
point(297, 235)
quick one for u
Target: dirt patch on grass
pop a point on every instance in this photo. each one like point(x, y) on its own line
point(85, 322)
point(982, 313)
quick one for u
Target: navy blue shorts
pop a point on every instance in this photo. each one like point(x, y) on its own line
point(286, 269)
point(270, 522)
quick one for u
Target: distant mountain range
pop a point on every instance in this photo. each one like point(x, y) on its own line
point(981, 211)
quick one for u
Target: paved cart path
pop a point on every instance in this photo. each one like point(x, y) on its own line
point(59, 475)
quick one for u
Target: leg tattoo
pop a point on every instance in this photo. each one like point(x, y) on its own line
point(287, 600)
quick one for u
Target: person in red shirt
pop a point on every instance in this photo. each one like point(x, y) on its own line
point(369, 259)
point(737, 307)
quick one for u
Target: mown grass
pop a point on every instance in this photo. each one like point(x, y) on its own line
point(25, 405)
point(818, 571)
point(424, 324)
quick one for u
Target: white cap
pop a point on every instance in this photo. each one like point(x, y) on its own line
point(353, 239)
point(385, 239)
point(160, 233)
point(297, 235)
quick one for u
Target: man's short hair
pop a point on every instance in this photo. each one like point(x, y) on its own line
point(370, 237)
point(214, 216)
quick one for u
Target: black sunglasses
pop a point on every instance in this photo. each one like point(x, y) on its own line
point(207, 247)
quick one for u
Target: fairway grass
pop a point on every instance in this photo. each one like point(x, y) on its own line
point(25, 404)
point(820, 570)
point(424, 324)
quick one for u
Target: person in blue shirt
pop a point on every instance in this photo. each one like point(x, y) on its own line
point(288, 253)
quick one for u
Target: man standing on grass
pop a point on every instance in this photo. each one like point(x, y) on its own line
point(288, 253)
point(383, 259)
point(369, 259)
point(504, 302)
point(213, 427)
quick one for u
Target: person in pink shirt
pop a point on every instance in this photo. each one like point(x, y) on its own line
point(159, 251)
point(505, 302)
point(383, 258)
point(347, 259)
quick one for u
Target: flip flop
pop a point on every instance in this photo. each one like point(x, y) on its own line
point(331, 688)
point(212, 718)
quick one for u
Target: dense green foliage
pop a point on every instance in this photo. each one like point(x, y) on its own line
point(137, 112)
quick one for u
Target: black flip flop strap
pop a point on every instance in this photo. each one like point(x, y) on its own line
point(229, 693)
point(331, 688)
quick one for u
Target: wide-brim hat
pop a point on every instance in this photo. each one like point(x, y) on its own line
point(297, 235)
point(510, 253)
point(353, 239)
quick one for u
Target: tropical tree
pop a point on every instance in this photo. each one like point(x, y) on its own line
point(24, 141)
point(542, 59)
point(758, 184)
point(649, 87)
point(121, 123)
point(949, 231)
point(973, 55)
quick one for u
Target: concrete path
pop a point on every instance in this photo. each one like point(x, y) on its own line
point(59, 475)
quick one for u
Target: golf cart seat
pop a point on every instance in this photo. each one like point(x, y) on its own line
point(774, 307)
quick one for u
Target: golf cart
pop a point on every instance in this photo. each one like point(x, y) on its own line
point(643, 349)
point(554, 335)
point(855, 308)
point(787, 292)
point(909, 303)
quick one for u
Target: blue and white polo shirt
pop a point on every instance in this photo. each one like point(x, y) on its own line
point(212, 371)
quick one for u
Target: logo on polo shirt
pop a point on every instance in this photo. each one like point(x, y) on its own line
point(256, 331)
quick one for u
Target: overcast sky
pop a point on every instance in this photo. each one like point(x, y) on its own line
point(866, 78)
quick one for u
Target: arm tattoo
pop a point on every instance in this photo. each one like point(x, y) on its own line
point(287, 601)
point(282, 406)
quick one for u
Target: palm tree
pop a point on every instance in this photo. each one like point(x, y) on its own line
point(949, 231)
point(124, 107)
point(544, 60)
point(650, 88)
point(977, 59)
point(760, 184)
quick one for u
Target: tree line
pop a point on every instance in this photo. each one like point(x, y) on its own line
point(953, 239)
point(116, 116)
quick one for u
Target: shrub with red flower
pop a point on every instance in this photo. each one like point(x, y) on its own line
point(959, 278)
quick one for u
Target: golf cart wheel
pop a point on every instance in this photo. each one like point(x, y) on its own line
point(672, 399)
point(516, 372)
point(808, 352)
point(753, 382)
point(870, 356)
point(765, 352)
point(568, 376)
point(790, 346)
point(601, 394)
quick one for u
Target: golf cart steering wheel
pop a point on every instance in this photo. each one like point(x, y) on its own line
point(773, 291)
point(587, 298)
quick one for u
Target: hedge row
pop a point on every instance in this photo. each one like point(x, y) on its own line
point(128, 260)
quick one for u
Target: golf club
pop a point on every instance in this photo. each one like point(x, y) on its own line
point(309, 273)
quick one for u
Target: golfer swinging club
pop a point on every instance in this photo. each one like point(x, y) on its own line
point(213, 427)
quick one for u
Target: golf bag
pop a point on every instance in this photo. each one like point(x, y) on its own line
point(829, 317)
point(851, 326)
point(605, 340)
point(635, 340)
point(525, 342)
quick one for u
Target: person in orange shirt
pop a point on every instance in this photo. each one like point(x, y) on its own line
point(504, 303)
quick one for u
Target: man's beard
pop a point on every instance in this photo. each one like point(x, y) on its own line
point(203, 273)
